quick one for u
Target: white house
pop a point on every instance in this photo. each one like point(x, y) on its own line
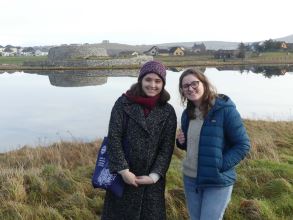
point(40, 53)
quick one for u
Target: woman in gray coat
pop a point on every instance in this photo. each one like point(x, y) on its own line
point(150, 132)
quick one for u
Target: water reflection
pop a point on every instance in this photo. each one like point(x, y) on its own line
point(69, 80)
point(79, 104)
point(79, 78)
point(266, 71)
point(179, 69)
point(270, 71)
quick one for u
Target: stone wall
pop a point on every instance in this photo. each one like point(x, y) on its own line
point(138, 61)
point(71, 52)
point(106, 63)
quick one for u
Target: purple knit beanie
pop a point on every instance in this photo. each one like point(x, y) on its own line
point(153, 67)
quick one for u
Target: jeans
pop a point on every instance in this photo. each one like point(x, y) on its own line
point(206, 203)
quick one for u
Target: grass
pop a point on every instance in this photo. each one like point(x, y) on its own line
point(11, 63)
point(55, 182)
point(209, 60)
point(18, 60)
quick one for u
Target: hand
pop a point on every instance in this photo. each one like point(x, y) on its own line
point(180, 137)
point(128, 177)
point(144, 180)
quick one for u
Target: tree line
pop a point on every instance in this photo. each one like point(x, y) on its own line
point(259, 47)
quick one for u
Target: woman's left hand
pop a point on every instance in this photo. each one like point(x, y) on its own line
point(144, 180)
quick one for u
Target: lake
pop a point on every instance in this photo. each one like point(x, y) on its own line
point(43, 107)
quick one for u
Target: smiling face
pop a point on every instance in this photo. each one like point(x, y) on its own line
point(192, 89)
point(151, 84)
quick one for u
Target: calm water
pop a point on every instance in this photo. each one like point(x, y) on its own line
point(41, 108)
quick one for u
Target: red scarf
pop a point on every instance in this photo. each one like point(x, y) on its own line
point(148, 103)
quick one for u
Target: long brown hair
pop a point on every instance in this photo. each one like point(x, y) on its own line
point(209, 95)
point(136, 90)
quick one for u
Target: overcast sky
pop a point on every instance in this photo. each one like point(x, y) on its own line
point(53, 22)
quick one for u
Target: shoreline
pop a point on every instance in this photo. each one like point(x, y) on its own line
point(168, 62)
point(98, 139)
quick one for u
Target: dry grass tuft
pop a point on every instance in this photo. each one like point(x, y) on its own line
point(64, 154)
point(250, 209)
point(175, 203)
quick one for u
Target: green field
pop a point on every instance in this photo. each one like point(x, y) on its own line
point(209, 60)
point(55, 182)
point(18, 60)
point(170, 61)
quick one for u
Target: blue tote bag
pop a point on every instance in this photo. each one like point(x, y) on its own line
point(102, 178)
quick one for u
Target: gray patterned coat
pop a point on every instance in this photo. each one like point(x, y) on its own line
point(151, 141)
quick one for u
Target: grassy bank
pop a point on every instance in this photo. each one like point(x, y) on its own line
point(18, 60)
point(16, 63)
point(54, 182)
point(209, 60)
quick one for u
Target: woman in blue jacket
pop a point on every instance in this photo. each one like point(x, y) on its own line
point(215, 140)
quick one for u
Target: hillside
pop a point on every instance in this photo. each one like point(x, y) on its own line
point(115, 48)
point(288, 39)
point(210, 45)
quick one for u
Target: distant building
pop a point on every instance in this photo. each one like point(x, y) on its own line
point(154, 51)
point(128, 53)
point(176, 51)
point(9, 51)
point(198, 48)
point(284, 45)
point(163, 52)
point(1, 49)
point(290, 46)
point(28, 51)
point(40, 53)
point(10, 48)
point(225, 54)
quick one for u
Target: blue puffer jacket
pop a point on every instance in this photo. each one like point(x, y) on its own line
point(223, 144)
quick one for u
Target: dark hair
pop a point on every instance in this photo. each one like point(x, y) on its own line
point(136, 90)
point(209, 95)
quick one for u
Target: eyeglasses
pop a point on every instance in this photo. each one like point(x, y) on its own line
point(193, 84)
